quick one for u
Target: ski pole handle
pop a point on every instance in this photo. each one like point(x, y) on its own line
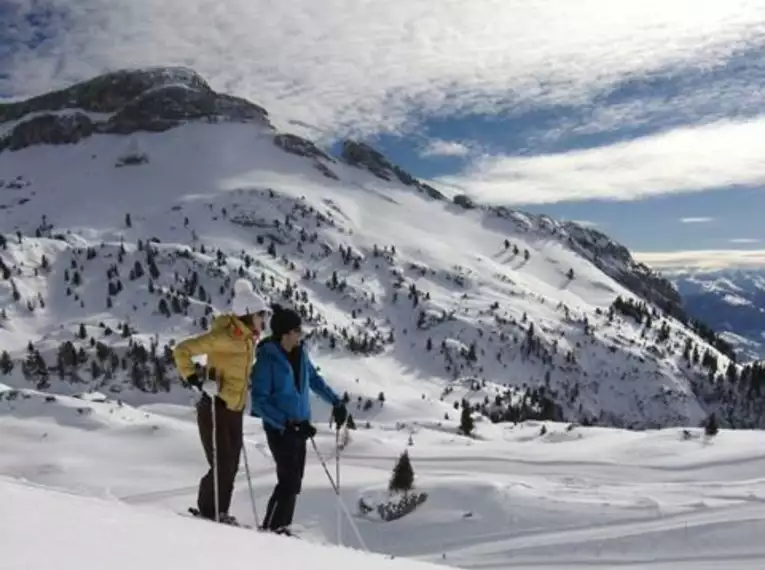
point(203, 392)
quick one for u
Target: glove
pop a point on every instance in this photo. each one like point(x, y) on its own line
point(304, 429)
point(339, 415)
point(194, 381)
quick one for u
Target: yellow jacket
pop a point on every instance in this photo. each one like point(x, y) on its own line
point(229, 346)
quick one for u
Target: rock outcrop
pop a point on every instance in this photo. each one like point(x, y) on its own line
point(300, 146)
point(361, 155)
point(616, 261)
point(122, 102)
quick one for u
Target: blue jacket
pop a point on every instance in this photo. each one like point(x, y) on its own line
point(275, 396)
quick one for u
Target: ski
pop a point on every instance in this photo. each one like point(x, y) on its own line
point(194, 512)
point(230, 521)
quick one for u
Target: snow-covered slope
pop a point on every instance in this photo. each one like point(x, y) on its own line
point(124, 231)
point(88, 533)
point(730, 301)
point(534, 495)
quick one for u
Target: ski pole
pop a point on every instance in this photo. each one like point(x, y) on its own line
point(339, 498)
point(337, 479)
point(249, 483)
point(215, 457)
point(214, 449)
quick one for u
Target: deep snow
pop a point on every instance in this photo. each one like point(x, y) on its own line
point(584, 498)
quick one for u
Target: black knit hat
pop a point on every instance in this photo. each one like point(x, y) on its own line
point(284, 321)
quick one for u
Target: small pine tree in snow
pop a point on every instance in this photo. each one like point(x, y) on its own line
point(402, 479)
point(466, 421)
point(710, 426)
point(6, 364)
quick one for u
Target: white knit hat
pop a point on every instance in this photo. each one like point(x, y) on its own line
point(246, 301)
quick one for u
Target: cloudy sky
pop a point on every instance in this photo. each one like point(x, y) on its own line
point(644, 118)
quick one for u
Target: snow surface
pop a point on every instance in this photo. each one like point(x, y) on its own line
point(98, 484)
point(80, 532)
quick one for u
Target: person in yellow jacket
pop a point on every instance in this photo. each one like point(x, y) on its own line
point(230, 347)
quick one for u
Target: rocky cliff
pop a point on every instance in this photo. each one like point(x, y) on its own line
point(122, 102)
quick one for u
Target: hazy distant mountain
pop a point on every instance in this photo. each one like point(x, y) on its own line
point(731, 302)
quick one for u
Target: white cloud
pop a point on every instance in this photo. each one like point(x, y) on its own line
point(438, 147)
point(712, 259)
point(363, 66)
point(586, 223)
point(698, 220)
point(744, 240)
point(688, 159)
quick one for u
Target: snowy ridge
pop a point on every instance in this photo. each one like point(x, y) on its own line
point(117, 246)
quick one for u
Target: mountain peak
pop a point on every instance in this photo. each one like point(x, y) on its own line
point(106, 93)
point(121, 102)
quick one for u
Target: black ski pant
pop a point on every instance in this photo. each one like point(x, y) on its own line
point(288, 450)
point(229, 446)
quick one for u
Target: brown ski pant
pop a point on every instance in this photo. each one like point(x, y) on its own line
point(229, 447)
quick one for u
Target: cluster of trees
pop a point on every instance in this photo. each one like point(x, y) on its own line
point(514, 248)
point(149, 370)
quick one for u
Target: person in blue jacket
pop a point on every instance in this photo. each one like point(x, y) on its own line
point(280, 382)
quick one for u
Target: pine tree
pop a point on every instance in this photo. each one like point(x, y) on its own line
point(466, 421)
point(95, 370)
point(710, 426)
point(6, 364)
point(402, 478)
